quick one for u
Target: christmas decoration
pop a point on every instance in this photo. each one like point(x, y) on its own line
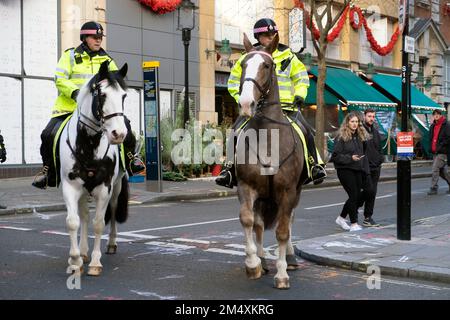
point(356, 20)
point(161, 6)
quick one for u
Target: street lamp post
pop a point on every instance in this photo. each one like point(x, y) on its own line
point(404, 163)
point(186, 22)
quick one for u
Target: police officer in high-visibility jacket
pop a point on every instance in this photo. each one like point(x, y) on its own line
point(293, 83)
point(75, 67)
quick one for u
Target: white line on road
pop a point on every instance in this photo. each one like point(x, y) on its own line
point(15, 228)
point(185, 225)
point(193, 241)
point(341, 203)
point(170, 245)
point(232, 252)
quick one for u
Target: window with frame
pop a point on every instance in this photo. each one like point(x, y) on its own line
point(234, 17)
point(447, 76)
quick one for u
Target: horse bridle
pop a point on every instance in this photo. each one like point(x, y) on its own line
point(264, 92)
point(98, 101)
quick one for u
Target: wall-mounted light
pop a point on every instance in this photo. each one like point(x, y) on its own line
point(370, 71)
point(307, 60)
point(224, 52)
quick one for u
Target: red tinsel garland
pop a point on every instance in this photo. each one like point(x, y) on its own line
point(382, 51)
point(358, 11)
point(161, 6)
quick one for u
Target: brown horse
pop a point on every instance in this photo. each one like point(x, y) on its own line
point(268, 190)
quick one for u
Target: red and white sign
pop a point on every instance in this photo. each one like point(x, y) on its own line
point(405, 142)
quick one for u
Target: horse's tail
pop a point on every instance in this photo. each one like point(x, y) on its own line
point(122, 204)
point(268, 209)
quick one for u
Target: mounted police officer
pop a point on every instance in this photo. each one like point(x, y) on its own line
point(75, 67)
point(291, 73)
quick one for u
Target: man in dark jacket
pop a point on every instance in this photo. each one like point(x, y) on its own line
point(2, 159)
point(375, 156)
point(440, 144)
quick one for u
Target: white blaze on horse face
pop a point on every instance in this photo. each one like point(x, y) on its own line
point(115, 127)
point(247, 94)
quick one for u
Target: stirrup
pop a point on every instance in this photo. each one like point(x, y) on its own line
point(319, 169)
point(135, 161)
point(225, 179)
point(44, 174)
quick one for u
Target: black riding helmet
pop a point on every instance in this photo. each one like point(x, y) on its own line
point(91, 28)
point(264, 25)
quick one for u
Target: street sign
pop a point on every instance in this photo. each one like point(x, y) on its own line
point(297, 30)
point(401, 14)
point(151, 122)
point(405, 144)
point(409, 44)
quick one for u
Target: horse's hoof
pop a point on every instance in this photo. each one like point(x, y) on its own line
point(111, 249)
point(254, 273)
point(282, 283)
point(94, 271)
point(264, 265)
point(291, 262)
point(85, 258)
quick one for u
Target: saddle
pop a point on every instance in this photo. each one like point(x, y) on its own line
point(301, 134)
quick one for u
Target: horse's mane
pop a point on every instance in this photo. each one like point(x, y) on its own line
point(114, 79)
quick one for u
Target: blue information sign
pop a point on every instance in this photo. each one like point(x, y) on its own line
point(151, 122)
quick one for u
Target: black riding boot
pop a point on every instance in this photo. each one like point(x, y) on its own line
point(318, 173)
point(133, 161)
point(227, 177)
point(47, 176)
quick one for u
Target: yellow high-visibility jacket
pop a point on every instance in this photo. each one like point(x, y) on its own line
point(293, 81)
point(74, 68)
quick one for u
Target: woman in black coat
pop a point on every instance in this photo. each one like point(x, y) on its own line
point(351, 165)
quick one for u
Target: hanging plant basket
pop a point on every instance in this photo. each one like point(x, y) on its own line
point(161, 6)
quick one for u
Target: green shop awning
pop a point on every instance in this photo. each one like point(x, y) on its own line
point(392, 85)
point(353, 91)
point(311, 98)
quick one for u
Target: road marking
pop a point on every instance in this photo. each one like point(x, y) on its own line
point(15, 228)
point(225, 251)
point(133, 235)
point(217, 199)
point(170, 245)
point(193, 241)
point(341, 203)
point(236, 246)
point(186, 225)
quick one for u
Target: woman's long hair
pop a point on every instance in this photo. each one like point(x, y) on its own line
point(346, 134)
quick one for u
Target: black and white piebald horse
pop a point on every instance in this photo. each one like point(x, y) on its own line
point(90, 161)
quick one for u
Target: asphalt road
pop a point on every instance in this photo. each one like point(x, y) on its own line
point(194, 251)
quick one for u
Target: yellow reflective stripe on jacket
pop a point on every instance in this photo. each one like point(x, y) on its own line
point(70, 76)
point(292, 81)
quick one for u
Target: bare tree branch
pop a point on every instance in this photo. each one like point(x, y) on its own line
point(346, 2)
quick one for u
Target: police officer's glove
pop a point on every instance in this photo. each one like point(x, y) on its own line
point(75, 94)
point(299, 102)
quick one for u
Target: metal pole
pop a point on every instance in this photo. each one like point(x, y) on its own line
point(186, 39)
point(404, 164)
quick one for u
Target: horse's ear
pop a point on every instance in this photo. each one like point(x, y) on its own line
point(123, 71)
point(247, 44)
point(274, 44)
point(103, 72)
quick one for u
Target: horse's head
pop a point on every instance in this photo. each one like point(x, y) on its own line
point(257, 71)
point(108, 95)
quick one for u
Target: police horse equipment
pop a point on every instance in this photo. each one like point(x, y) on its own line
point(90, 166)
point(267, 200)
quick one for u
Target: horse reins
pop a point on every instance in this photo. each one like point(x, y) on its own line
point(262, 104)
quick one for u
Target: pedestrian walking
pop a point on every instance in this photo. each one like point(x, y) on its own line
point(440, 147)
point(2, 158)
point(375, 158)
point(350, 162)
